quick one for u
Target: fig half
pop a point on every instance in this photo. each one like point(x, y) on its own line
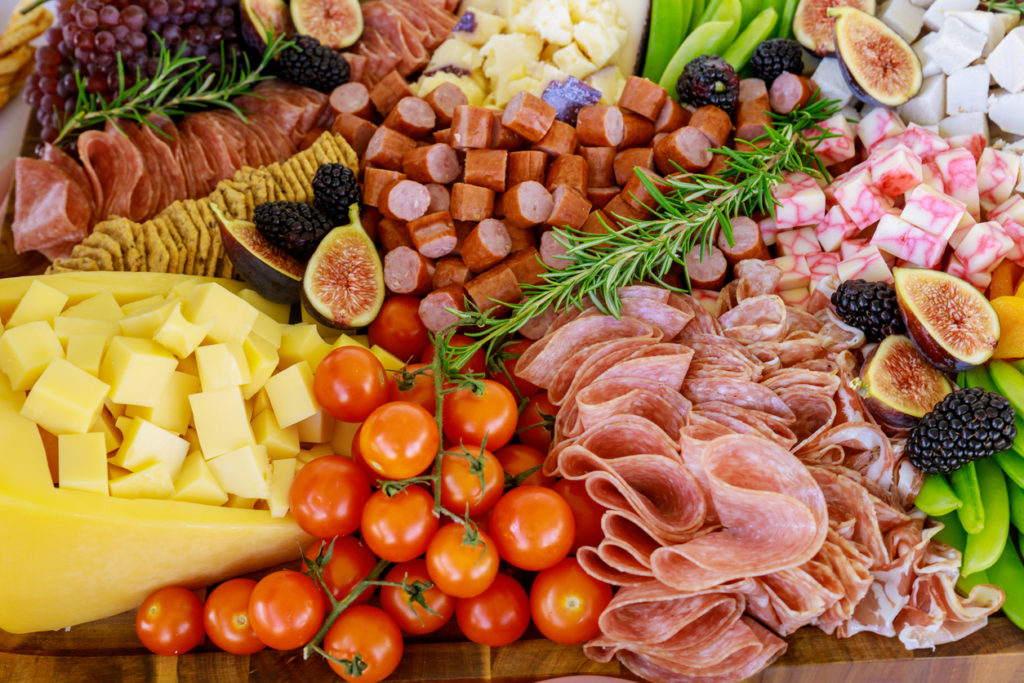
point(343, 286)
point(877, 64)
point(335, 23)
point(273, 273)
point(260, 18)
point(813, 27)
point(899, 385)
point(952, 323)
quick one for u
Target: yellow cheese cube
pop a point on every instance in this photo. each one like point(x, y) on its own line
point(83, 462)
point(151, 482)
point(105, 424)
point(196, 483)
point(144, 444)
point(282, 473)
point(232, 317)
point(244, 471)
point(64, 400)
point(305, 457)
point(276, 311)
point(188, 365)
point(320, 450)
point(220, 420)
point(137, 370)
point(145, 321)
point(291, 394)
point(40, 302)
point(222, 365)
point(302, 343)
point(172, 411)
point(387, 359)
point(317, 428)
point(180, 336)
point(280, 442)
point(148, 303)
point(86, 352)
point(66, 328)
point(240, 502)
point(341, 440)
point(115, 409)
point(262, 359)
point(345, 340)
point(101, 306)
point(193, 440)
point(268, 328)
point(26, 350)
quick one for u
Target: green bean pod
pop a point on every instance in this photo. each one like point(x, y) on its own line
point(709, 10)
point(1008, 574)
point(707, 39)
point(786, 25)
point(696, 13)
point(759, 29)
point(937, 497)
point(751, 8)
point(665, 36)
point(1016, 496)
point(965, 483)
point(984, 547)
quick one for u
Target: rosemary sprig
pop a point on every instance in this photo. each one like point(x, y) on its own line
point(1005, 6)
point(687, 215)
point(179, 85)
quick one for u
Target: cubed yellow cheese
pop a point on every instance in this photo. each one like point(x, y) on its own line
point(26, 350)
point(507, 56)
point(220, 421)
point(193, 440)
point(317, 428)
point(86, 351)
point(487, 25)
point(41, 302)
point(473, 92)
point(66, 328)
point(145, 444)
point(172, 412)
point(268, 328)
point(83, 462)
point(101, 306)
point(188, 365)
point(341, 440)
point(600, 41)
point(137, 370)
point(260, 402)
point(282, 473)
point(222, 365)
point(244, 471)
point(115, 409)
point(345, 340)
point(197, 484)
point(276, 311)
point(291, 394)
point(240, 502)
point(609, 81)
point(105, 424)
point(144, 304)
point(321, 449)
point(455, 54)
point(387, 359)
point(145, 321)
point(280, 442)
point(151, 482)
point(180, 336)
point(302, 343)
point(232, 317)
point(328, 334)
point(65, 399)
point(547, 18)
point(261, 360)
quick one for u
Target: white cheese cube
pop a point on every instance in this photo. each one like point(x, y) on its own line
point(481, 5)
point(572, 61)
point(957, 46)
point(1009, 19)
point(904, 18)
point(1006, 62)
point(830, 79)
point(973, 123)
point(549, 19)
point(507, 9)
point(456, 53)
point(986, 23)
point(507, 56)
point(598, 41)
point(1006, 110)
point(929, 67)
point(930, 103)
point(924, 4)
point(484, 25)
point(936, 14)
point(967, 90)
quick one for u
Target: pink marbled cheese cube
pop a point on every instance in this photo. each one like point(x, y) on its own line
point(997, 175)
point(832, 150)
point(895, 236)
point(966, 223)
point(980, 280)
point(799, 242)
point(850, 247)
point(896, 170)
point(799, 201)
point(768, 229)
point(1014, 229)
point(932, 211)
point(835, 228)
point(923, 142)
point(795, 272)
point(863, 203)
point(1011, 208)
point(960, 178)
point(930, 176)
point(821, 265)
point(866, 264)
point(878, 124)
point(795, 297)
point(983, 247)
point(974, 142)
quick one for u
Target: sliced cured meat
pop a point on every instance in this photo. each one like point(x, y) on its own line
point(738, 392)
point(703, 323)
point(60, 158)
point(631, 396)
point(814, 413)
point(719, 357)
point(742, 420)
point(757, 319)
point(617, 437)
point(593, 361)
point(807, 379)
point(400, 34)
point(51, 208)
point(757, 278)
point(114, 167)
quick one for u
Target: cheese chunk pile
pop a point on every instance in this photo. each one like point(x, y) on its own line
point(501, 47)
point(199, 395)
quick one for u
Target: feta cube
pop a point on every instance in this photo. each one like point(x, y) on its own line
point(908, 242)
point(957, 45)
point(929, 67)
point(1006, 110)
point(933, 211)
point(878, 124)
point(960, 178)
point(987, 23)
point(936, 14)
point(829, 79)
point(929, 104)
point(904, 18)
point(973, 124)
point(997, 176)
point(967, 90)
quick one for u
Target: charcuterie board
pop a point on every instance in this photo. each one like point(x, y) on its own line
point(11, 263)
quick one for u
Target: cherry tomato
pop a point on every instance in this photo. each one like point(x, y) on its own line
point(516, 458)
point(226, 617)
point(469, 418)
point(370, 633)
point(505, 374)
point(585, 511)
point(360, 461)
point(411, 617)
point(531, 428)
point(498, 616)
point(461, 489)
point(327, 496)
point(170, 621)
point(565, 602)
point(458, 569)
point(350, 383)
point(350, 562)
point(399, 440)
point(398, 328)
point(399, 528)
point(533, 527)
point(286, 609)
point(421, 392)
point(476, 363)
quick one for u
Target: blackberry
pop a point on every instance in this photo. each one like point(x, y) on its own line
point(313, 65)
point(294, 227)
point(870, 307)
point(772, 57)
point(967, 425)
point(709, 79)
point(334, 190)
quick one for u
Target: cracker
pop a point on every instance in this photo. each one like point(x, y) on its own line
point(175, 246)
point(13, 62)
point(276, 175)
point(77, 263)
point(237, 201)
point(102, 257)
point(104, 241)
point(188, 234)
point(157, 256)
point(224, 268)
point(203, 255)
point(296, 192)
point(216, 249)
point(305, 167)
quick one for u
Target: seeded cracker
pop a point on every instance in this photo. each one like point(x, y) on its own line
point(120, 230)
point(277, 177)
point(157, 256)
point(205, 247)
point(216, 250)
point(303, 174)
point(175, 248)
point(187, 231)
point(102, 257)
point(104, 241)
point(296, 190)
point(79, 263)
point(237, 206)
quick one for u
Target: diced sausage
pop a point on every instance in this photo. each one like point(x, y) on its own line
point(443, 135)
point(471, 127)
point(499, 205)
point(462, 230)
point(790, 91)
point(406, 271)
point(393, 234)
point(433, 310)
point(671, 117)
point(714, 123)
point(529, 116)
point(719, 162)
point(570, 170)
point(411, 116)
point(471, 202)
point(451, 270)
point(486, 168)
point(387, 148)
point(357, 131)
point(621, 213)
point(526, 265)
point(600, 126)
point(752, 118)
point(404, 200)
point(636, 195)
point(637, 131)
point(570, 208)
point(747, 242)
point(597, 223)
point(600, 165)
point(352, 98)
point(553, 253)
point(374, 182)
point(486, 245)
point(433, 235)
point(526, 165)
point(440, 198)
point(629, 159)
point(435, 163)
point(489, 289)
point(370, 218)
point(561, 139)
point(687, 147)
point(527, 204)
point(522, 238)
point(503, 137)
point(443, 99)
point(752, 89)
point(388, 91)
point(600, 196)
point(706, 269)
point(643, 97)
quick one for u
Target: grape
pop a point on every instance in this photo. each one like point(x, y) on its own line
point(120, 32)
point(224, 17)
point(83, 56)
point(65, 18)
point(88, 18)
point(214, 34)
point(85, 40)
point(49, 133)
point(67, 86)
point(65, 5)
point(230, 33)
point(158, 8)
point(134, 17)
point(65, 49)
point(49, 103)
point(137, 41)
point(96, 83)
point(195, 35)
point(203, 18)
point(125, 51)
point(94, 5)
point(104, 60)
point(109, 15)
point(176, 6)
point(194, 5)
point(105, 41)
point(69, 31)
point(48, 70)
point(188, 17)
point(48, 85)
point(47, 55)
point(171, 34)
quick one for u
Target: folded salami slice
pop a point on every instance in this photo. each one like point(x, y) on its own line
point(738, 392)
point(50, 207)
point(617, 437)
point(632, 396)
point(757, 319)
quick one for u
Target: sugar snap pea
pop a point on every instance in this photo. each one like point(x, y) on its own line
point(952, 534)
point(965, 483)
point(696, 14)
point(1009, 382)
point(786, 23)
point(710, 8)
point(709, 38)
point(738, 54)
point(937, 497)
point(751, 8)
point(1016, 496)
point(985, 546)
point(1008, 574)
point(1012, 463)
point(665, 36)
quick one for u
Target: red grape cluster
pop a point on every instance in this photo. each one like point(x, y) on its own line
point(89, 35)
